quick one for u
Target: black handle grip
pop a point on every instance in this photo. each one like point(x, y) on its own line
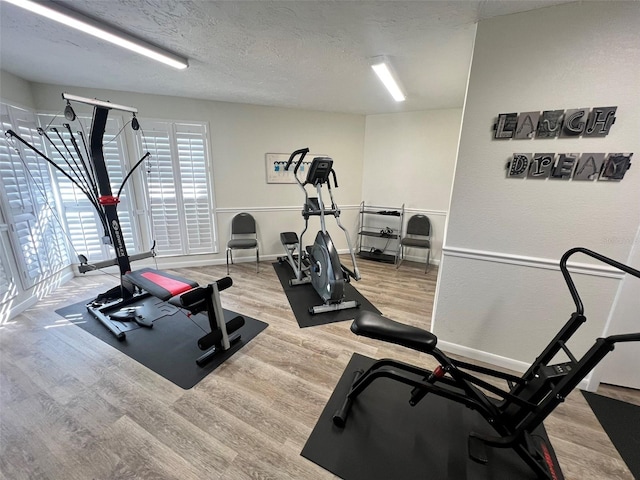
point(335, 178)
point(224, 283)
point(627, 337)
point(302, 152)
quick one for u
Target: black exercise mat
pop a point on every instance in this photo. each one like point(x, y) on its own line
point(301, 297)
point(621, 422)
point(385, 438)
point(169, 348)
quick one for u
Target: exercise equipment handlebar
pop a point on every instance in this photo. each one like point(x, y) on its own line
point(567, 276)
point(302, 152)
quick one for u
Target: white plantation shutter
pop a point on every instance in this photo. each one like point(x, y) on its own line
point(83, 223)
point(85, 229)
point(5, 280)
point(29, 202)
point(179, 191)
point(7, 289)
point(196, 197)
point(161, 185)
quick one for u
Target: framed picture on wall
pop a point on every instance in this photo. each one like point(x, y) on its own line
point(275, 164)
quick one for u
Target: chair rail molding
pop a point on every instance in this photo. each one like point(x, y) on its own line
point(531, 262)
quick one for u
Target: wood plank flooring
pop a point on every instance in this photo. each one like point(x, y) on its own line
point(72, 407)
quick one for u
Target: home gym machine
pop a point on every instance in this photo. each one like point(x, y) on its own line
point(319, 264)
point(115, 307)
point(515, 413)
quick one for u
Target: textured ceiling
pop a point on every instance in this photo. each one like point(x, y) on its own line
point(299, 54)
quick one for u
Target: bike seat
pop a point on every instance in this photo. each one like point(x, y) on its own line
point(373, 325)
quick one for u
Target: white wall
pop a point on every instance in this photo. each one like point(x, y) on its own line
point(16, 89)
point(410, 159)
point(621, 368)
point(241, 135)
point(500, 293)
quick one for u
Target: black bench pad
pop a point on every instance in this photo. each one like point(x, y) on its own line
point(373, 325)
point(160, 284)
point(288, 238)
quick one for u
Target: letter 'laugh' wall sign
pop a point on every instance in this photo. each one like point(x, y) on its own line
point(585, 122)
point(554, 123)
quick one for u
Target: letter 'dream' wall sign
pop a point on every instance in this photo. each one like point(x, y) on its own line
point(541, 165)
point(589, 166)
point(569, 166)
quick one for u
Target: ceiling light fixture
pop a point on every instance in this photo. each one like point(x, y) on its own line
point(104, 32)
point(383, 69)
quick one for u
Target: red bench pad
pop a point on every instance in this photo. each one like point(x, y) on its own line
point(160, 284)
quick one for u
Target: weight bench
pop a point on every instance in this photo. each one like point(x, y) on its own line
point(181, 293)
point(515, 413)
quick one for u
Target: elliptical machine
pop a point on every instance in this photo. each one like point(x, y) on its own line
point(319, 264)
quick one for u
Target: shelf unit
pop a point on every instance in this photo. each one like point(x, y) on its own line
point(379, 232)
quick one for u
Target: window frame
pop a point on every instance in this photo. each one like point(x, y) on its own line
point(171, 127)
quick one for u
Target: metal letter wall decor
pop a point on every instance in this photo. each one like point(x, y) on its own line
point(573, 123)
point(565, 166)
point(553, 123)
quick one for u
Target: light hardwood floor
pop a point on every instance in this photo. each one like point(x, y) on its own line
point(72, 407)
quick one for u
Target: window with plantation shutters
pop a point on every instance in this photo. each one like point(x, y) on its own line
point(83, 224)
point(178, 185)
point(6, 281)
point(28, 201)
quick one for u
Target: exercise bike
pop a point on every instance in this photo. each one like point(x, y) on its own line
point(319, 264)
point(514, 413)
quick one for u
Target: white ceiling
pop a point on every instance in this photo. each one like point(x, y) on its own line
point(300, 54)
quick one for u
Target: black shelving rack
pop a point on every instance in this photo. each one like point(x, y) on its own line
point(379, 232)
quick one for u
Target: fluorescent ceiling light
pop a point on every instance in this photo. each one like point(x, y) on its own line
point(104, 32)
point(383, 69)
